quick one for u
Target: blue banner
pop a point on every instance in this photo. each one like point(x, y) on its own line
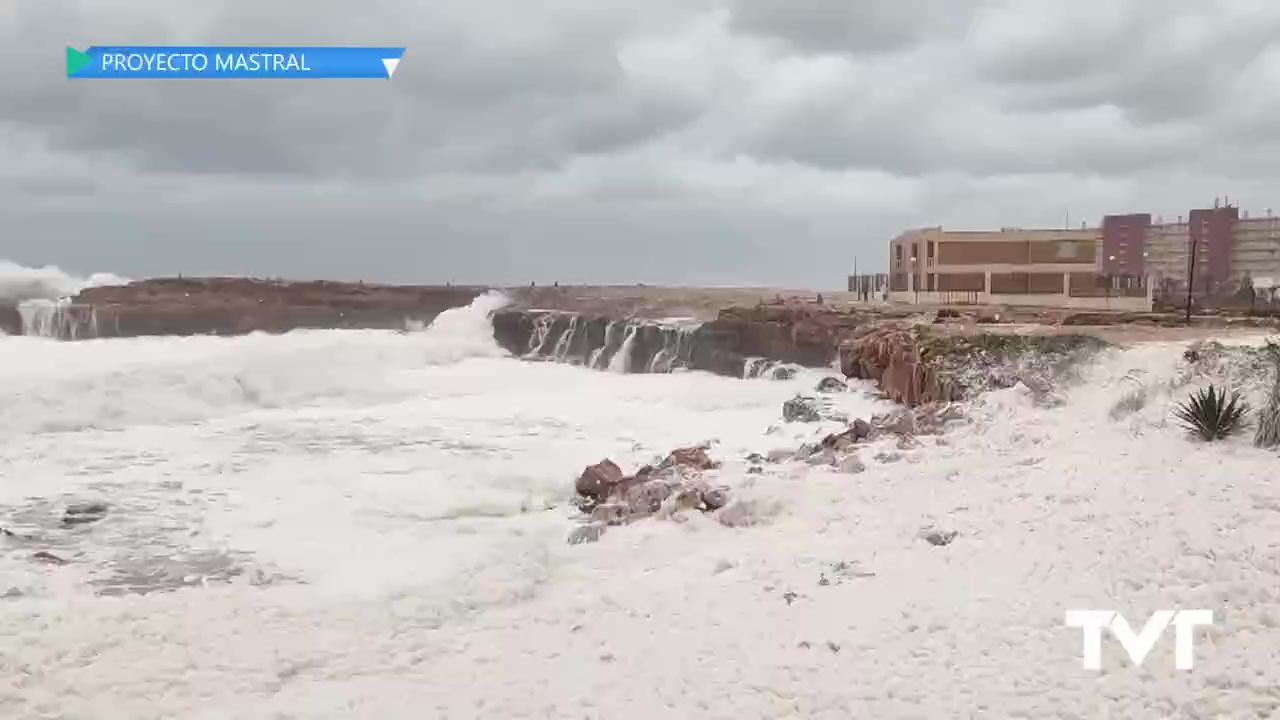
point(233, 62)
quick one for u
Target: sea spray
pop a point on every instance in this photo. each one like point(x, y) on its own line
point(18, 282)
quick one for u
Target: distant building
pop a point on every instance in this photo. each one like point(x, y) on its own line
point(1124, 244)
point(1255, 251)
point(1231, 249)
point(1120, 264)
point(1008, 266)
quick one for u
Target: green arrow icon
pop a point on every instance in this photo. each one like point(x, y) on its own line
point(76, 60)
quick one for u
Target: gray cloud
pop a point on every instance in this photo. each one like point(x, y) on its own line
point(866, 26)
point(1158, 60)
point(462, 95)
point(617, 140)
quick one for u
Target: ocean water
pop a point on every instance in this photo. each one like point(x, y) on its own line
point(373, 525)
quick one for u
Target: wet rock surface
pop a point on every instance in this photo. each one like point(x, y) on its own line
point(116, 550)
point(831, 385)
point(938, 537)
point(675, 484)
point(764, 341)
point(801, 409)
point(84, 513)
point(915, 366)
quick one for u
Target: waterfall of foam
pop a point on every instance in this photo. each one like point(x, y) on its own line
point(621, 361)
point(677, 347)
point(623, 346)
point(755, 367)
point(598, 360)
point(538, 338)
point(58, 319)
point(561, 351)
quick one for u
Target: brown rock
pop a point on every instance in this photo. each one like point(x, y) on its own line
point(599, 481)
point(694, 458)
point(645, 498)
point(888, 355)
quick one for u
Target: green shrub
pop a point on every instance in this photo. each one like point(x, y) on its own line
point(1212, 414)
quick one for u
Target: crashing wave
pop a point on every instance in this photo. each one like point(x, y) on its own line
point(623, 346)
point(58, 319)
point(19, 283)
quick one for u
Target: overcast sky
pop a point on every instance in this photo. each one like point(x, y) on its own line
point(618, 141)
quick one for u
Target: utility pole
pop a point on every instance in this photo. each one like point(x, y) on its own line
point(1191, 275)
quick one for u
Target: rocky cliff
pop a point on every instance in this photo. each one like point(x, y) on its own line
point(807, 335)
point(605, 328)
point(235, 306)
point(602, 328)
point(10, 319)
point(918, 365)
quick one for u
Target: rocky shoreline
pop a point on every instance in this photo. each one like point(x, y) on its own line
point(926, 361)
point(917, 355)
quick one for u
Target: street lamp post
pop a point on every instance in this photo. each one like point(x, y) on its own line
point(1191, 274)
point(915, 278)
point(1106, 278)
point(1145, 278)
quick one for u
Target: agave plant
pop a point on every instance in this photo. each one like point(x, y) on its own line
point(1212, 414)
point(1268, 434)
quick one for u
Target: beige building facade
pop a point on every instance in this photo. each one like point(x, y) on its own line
point(1255, 253)
point(1053, 267)
point(1123, 263)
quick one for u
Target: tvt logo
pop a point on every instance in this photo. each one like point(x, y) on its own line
point(1139, 645)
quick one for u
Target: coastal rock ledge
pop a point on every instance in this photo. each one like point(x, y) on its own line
point(723, 340)
point(914, 364)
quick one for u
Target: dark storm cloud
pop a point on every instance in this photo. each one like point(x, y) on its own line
point(624, 140)
point(466, 97)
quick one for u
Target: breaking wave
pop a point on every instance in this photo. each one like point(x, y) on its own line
point(19, 282)
point(49, 386)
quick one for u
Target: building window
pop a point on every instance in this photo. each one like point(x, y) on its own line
point(897, 254)
point(930, 249)
point(915, 250)
point(1066, 250)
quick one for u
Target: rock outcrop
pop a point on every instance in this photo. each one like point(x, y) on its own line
point(889, 356)
point(765, 340)
point(916, 366)
point(10, 319)
point(806, 335)
point(236, 306)
point(607, 497)
point(798, 334)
